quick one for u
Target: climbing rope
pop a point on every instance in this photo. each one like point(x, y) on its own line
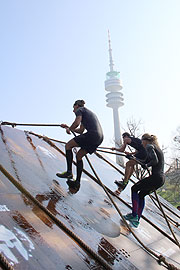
point(174, 222)
point(159, 257)
point(55, 219)
point(113, 153)
point(124, 220)
point(103, 147)
point(34, 125)
point(161, 208)
point(48, 140)
point(58, 125)
point(117, 169)
point(5, 263)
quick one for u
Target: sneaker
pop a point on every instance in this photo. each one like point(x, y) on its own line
point(73, 184)
point(128, 216)
point(67, 174)
point(120, 184)
point(134, 224)
point(134, 221)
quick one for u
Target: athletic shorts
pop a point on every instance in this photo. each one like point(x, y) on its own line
point(89, 141)
point(142, 155)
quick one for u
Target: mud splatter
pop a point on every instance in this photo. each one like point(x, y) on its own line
point(90, 201)
point(68, 267)
point(104, 212)
point(10, 154)
point(24, 224)
point(108, 252)
point(106, 201)
point(29, 139)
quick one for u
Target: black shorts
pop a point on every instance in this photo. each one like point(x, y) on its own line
point(89, 141)
point(142, 155)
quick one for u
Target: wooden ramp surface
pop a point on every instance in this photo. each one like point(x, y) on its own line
point(30, 239)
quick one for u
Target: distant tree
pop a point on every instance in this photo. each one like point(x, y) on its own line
point(177, 148)
point(171, 190)
point(134, 127)
point(174, 163)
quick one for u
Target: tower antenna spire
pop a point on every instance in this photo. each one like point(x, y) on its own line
point(111, 64)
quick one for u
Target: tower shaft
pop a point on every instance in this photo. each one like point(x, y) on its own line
point(114, 99)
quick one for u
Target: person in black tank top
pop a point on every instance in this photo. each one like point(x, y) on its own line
point(88, 141)
point(140, 154)
point(147, 185)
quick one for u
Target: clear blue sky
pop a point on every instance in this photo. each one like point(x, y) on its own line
point(54, 52)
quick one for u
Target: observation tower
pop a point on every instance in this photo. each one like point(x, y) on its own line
point(114, 99)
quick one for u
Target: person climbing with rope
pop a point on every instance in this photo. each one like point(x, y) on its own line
point(88, 141)
point(147, 185)
point(140, 154)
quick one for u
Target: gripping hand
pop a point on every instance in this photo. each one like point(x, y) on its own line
point(129, 156)
point(144, 166)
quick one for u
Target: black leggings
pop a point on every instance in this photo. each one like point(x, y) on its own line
point(141, 189)
point(148, 185)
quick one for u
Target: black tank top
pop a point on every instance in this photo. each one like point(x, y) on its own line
point(137, 144)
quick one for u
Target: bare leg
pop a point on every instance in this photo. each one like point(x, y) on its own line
point(129, 170)
point(71, 144)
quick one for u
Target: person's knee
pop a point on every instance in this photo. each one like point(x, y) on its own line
point(130, 163)
point(69, 145)
point(78, 157)
point(133, 189)
point(80, 154)
point(142, 194)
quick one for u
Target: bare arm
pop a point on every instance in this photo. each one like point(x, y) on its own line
point(74, 126)
point(80, 130)
point(76, 123)
point(123, 146)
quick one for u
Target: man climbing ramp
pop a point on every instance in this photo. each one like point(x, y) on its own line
point(88, 141)
point(140, 154)
point(147, 185)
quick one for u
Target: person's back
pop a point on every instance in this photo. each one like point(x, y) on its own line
point(136, 144)
point(89, 120)
point(156, 156)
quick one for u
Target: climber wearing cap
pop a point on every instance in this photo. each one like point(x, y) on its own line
point(88, 141)
point(155, 180)
point(140, 154)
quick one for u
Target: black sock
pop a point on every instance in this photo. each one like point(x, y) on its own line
point(69, 159)
point(79, 169)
